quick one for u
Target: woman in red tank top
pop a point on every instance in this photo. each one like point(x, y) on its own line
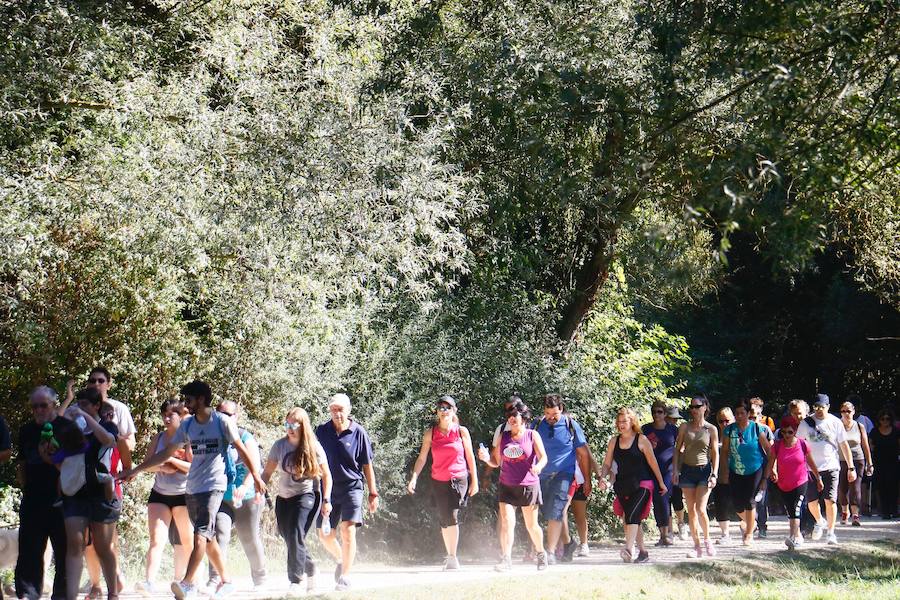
point(453, 475)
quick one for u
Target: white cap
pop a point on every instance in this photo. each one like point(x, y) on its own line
point(340, 400)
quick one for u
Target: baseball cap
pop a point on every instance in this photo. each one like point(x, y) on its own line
point(447, 400)
point(821, 400)
point(674, 413)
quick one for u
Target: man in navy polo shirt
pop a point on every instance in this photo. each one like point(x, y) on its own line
point(565, 445)
point(349, 452)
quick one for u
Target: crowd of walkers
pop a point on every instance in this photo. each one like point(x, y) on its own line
point(210, 477)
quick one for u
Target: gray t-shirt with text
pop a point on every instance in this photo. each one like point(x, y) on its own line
point(208, 443)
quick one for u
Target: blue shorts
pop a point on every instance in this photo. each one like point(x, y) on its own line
point(346, 504)
point(693, 477)
point(555, 493)
point(202, 510)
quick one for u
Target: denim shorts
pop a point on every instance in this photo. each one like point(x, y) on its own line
point(555, 494)
point(693, 477)
point(202, 510)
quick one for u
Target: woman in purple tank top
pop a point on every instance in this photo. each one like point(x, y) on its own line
point(453, 475)
point(520, 457)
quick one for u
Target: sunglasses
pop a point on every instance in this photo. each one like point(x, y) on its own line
point(885, 418)
point(96, 380)
point(723, 422)
point(659, 412)
point(444, 408)
point(787, 432)
point(697, 405)
point(292, 426)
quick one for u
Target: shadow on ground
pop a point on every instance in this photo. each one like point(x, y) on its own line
point(875, 561)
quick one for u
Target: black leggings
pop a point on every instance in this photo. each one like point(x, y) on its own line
point(677, 499)
point(633, 505)
point(886, 486)
point(794, 501)
point(850, 493)
point(743, 489)
point(295, 517)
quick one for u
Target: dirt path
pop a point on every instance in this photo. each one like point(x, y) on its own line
point(603, 556)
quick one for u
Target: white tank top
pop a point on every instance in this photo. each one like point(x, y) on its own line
point(854, 440)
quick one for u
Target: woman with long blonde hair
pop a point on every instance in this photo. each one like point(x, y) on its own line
point(637, 469)
point(301, 464)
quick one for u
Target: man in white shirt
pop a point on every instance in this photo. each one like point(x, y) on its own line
point(826, 437)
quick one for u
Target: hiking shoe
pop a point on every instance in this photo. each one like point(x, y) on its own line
point(789, 542)
point(145, 588)
point(504, 565)
point(709, 547)
point(762, 533)
point(342, 585)
point(855, 521)
point(569, 551)
point(818, 530)
point(643, 556)
point(583, 550)
point(662, 542)
point(542, 561)
point(625, 553)
point(183, 590)
point(337, 571)
point(831, 539)
point(451, 563)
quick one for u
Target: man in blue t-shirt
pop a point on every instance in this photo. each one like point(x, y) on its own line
point(565, 445)
point(349, 451)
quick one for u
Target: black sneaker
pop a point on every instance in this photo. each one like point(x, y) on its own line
point(542, 561)
point(643, 556)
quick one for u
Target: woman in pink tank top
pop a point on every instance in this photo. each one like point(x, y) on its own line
point(453, 475)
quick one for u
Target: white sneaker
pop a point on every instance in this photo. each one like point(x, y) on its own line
point(832, 539)
point(724, 540)
point(818, 530)
point(583, 550)
point(183, 590)
point(295, 590)
point(682, 534)
point(789, 542)
point(798, 542)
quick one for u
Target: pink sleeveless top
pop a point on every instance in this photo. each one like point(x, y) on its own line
point(448, 458)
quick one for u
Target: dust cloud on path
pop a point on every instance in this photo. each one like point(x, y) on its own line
point(371, 577)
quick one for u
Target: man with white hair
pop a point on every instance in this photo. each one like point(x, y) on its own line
point(39, 520)
point(349, 451)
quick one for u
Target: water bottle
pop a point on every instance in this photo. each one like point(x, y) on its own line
point(326, 525)
point(759, 496)
point(481, 447)
point(236, 499)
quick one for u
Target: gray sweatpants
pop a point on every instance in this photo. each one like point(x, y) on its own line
point(246, 520)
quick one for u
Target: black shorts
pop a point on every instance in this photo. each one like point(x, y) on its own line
point(677, 498)
point(721, 500)
point(94, 509)
point(202, 508)
point(166, 500)
point(830, 489)
point(743, 489)
point(519, 495)
point(793, 501)
point(579, 496)
point(448, 497)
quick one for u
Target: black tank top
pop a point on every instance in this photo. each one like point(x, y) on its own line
point(631, 462)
